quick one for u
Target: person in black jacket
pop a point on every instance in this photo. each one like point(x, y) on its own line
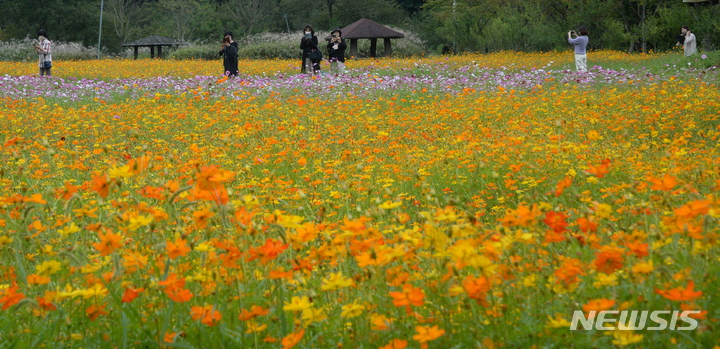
point(229, 51)
point(336, 52)
point(309, 43)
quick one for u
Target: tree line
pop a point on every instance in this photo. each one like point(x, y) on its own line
point(445, 25)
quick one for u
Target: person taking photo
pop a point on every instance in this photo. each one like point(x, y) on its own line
point(689, 44)
point(580, 43)
point(336, 52)
point(229, 51)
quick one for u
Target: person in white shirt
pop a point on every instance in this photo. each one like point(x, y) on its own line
point(689, 44)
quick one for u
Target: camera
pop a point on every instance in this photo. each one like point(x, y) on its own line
point(334, 35)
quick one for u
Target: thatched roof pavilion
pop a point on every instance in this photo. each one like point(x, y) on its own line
point(152, 42)
point(367, 29)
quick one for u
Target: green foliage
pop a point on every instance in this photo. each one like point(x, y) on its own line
point(444, 25)
point(204, 51)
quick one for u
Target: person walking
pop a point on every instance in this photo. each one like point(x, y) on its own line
point(229, 51)
point(44, 51)
point(336, 52)
point(580, 42)
point(311, 56)
point(689, 45)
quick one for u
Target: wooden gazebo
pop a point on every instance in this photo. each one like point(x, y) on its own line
point(367, 29)
point(152, 42)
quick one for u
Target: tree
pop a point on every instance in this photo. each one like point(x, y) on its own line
point(330, 4)
point(122, 14)
point(463, 21)
point(183, 14)
point(248, 13)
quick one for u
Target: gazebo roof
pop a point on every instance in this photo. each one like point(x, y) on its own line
point(367, 29)
point(155, 40)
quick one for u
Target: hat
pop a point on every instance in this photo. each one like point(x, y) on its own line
point(229, 33)
point(336, 30)
point(42, 32)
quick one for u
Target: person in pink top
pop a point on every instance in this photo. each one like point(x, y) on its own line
point(44, 51)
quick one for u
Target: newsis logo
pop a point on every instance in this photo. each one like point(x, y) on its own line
point(606, 320)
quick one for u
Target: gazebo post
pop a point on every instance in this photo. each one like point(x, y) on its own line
point(388, 47)
point(152, 52)
point(373, 47)
point(353, 48)
point(160, 51)
point(135, 54)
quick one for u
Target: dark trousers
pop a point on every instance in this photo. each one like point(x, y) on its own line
point(44, 72)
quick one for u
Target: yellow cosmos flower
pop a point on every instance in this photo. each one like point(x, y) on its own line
point(297, 304)
point(352, 310)
point(48, 267)
point(70, 229)
point(335, 281)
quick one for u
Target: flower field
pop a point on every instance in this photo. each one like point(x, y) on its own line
point(474, 201)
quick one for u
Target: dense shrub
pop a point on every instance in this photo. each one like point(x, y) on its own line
point(262, 46)
point(287, 46)
point(22, 50)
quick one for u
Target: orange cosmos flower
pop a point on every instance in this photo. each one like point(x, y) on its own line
point(638, 248)
point(292, 339)
point(201, 218)
point(568, 272)
point(271, 249)
point(426, 334)
point(131, 293)
point(396, 344)
point(556, 221)
point(600, 170)
point(208, 315)
point(108, 243)
point(132, 261)
point(101, 185)
point(564, 183)
point(477, 288)
point(180, 295)
point(35, 279)
point(586, 225)
point(170, 336)
point(255, 312)
point(177, 249)
point(67, 192)
point(681, 294)
point(598, 305)
point(692, 306)
point(522, 216)
point(95, 310)
point(11, 296)
point(172, 282)
point(667, 183)
point(45, 302)
point(609, 259)
point(410, 295)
